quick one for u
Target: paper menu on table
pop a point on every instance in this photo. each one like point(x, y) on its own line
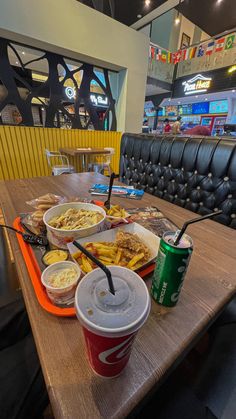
point(119, 191)
point(152, 219)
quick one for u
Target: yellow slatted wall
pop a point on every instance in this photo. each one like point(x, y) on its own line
point(22, 149)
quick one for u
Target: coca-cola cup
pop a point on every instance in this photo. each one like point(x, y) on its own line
point(111, 322)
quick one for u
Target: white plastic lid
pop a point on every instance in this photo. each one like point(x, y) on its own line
point(112, 315)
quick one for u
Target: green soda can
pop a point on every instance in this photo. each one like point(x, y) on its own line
point(171, 266)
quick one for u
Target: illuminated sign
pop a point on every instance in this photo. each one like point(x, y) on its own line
point(232, 69)
point(219, 106)
point(70, 92)
point(97, 100)
point(197, 84)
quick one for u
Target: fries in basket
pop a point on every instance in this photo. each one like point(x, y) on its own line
point(116, 215)
point(116, 211)
point(127, 250)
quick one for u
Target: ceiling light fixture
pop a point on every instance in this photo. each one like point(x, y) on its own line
point(177, 19)
point(23, 52)
point(219, 1)
point(147, 3)
point(206, 98)
point(233, 91)
point(17, 62)
point(232, 69)
point(139, 16)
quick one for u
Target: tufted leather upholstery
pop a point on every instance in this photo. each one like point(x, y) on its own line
point(195, 173)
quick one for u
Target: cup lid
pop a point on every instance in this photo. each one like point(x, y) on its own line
point(104, 313)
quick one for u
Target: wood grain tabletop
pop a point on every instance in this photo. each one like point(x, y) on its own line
point(83, 151)
point(74, 390)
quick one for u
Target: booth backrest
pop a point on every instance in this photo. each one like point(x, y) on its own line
point(195, 173)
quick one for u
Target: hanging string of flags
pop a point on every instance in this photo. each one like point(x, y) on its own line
point(206, 49)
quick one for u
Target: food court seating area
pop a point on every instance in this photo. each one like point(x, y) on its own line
point(24, 148)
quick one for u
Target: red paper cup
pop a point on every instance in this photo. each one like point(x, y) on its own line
point(108, 356)
point(110, 323)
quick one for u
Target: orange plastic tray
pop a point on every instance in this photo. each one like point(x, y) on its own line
point(35, 276)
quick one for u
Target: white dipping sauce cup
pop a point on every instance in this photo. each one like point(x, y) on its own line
point(60, 296)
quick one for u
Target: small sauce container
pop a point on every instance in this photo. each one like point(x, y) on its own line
point(60, 281)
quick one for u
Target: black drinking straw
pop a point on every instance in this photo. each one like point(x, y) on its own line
point(98, 263)
point(195, 220)
point(107, 204)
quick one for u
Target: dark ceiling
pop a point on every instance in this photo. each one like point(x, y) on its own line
point(212, 16)
point(125, 11)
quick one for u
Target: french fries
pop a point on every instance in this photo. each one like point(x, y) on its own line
point(86, 265)
point(110, 253)
point(74, 219)
point(117, 211)
point(118, 257)
point(135, 260)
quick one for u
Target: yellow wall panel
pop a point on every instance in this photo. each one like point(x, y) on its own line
point(22, 149)
point(4, 165)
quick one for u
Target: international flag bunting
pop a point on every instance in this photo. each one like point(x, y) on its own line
point(220, 43)
point(164, 56)
point(152, 52)
point(177, 56)
point(210, 48)
point(192, 52)
point(158, 54)
point(174, 57)
point(185, 54)
point(229, 42)
point(201, 51)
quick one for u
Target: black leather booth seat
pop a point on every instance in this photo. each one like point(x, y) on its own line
point(195, 173)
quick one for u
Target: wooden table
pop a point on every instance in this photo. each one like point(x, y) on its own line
point(74, 390)
point(84, 153)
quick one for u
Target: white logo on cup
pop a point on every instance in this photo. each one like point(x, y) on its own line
point(118, 352)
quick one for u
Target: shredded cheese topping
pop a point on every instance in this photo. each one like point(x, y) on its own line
point(62, 278)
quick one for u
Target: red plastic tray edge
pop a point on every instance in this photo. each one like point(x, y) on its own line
point(35, 274)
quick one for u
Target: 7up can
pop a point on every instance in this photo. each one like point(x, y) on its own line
point(171, 266)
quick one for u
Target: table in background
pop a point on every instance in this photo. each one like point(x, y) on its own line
point(74, 390)
point(84, 153)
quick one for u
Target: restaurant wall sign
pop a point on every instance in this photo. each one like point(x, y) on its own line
point(99, 100)
point(218, 80)
point(197, 84)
